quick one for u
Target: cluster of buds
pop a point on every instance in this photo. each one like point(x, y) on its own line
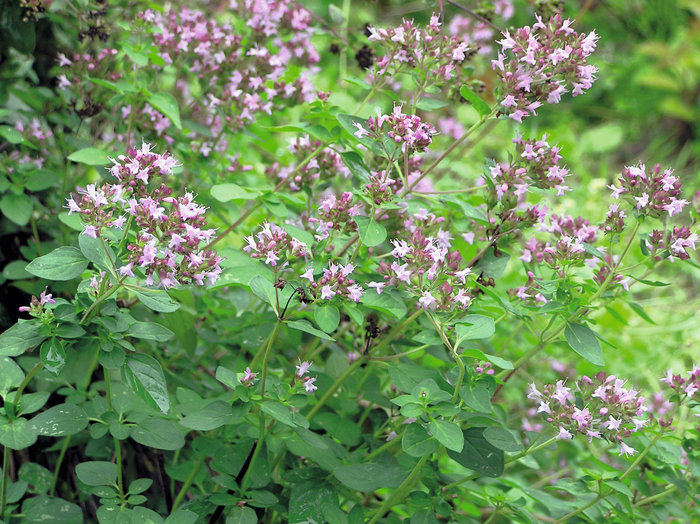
point(655, 192)
point(535, 163)
point(79, 65)
point(478, 33)
point(601, 408)
point(531, 292)
point(248, 378)
point(171, 230)
point(673, 244)
point(483, 368)
point(686, 388)
point(307, 381)
point(243, 74)
point(409, 132)
point(602, 273)
point(409, 47)
point(33, 130)
point(614, 220)
point(425, 265)
point(335, 281)
point(325, 164)
point(545, 62)
point(336, 214)
point(36, 306)
point(381, 187)
point(272, 243)
point(569, 249)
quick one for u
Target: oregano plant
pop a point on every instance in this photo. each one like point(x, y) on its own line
point(342, 262)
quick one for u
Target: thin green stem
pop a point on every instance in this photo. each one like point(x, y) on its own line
point(335, 386)
point(455, 356)
point(580, 510)
point(18, 394)
point(401, 491)
point(258, 447)
point(271, 340)
point(449, 150)
point(188, 482)
point(5, 479)
point(384, 447)
point(59, 462)
point(654, 498)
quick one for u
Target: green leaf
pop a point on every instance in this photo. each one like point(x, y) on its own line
point(158, 433)
point(478, 454)
point(143, 374)
point(215, 414)
point(42, 179)
point(356, 165)
point(388, 302)
point(416, 441)
point(471, 97)
point(305, 326)
point(653, 283)
point(60, 421)
point(11, 135)
point(242, 515)
point(53, 355)
point(502, 439)
point(15, 270)
point(50, 510)
point(17, 208)
point(447, 433)
point(583, 341)
point(327, 318)
point(493, 266)
point(283, 414)
point(307, 500)
point(11, 375)
point(227, 192)
point(94, 251)
point(32, 402)
point(371, 232)
point(17, 434)
point(36, 476)
point(63, 263)
point(149, 331)
point(476, 397)
point(90, 156)
point(370, 477)
point(155, 299)
point(637, 308)
point(166, 104)
point(474, 327)
point(182, 516)
point(97, 473)
point(21, 337)
point(430, 104)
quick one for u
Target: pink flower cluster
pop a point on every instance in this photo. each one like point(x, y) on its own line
point(381, 187)
point(335, 281)
point(171, 230)
point(655, 192)
point(326, 164)
point(571, 233)
point(36, 306)
point(336, 214)
point(409, 132)
point(79, 65)
point(686, 388)
point(531, 292)
point(307, 381)
point(408, 46)
point(536, 163)
point(538, 65)
point(672, 244)
point(425, 265)
point(478, 33)
point(274, 244)
point(603, 408)
point(243, 71)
